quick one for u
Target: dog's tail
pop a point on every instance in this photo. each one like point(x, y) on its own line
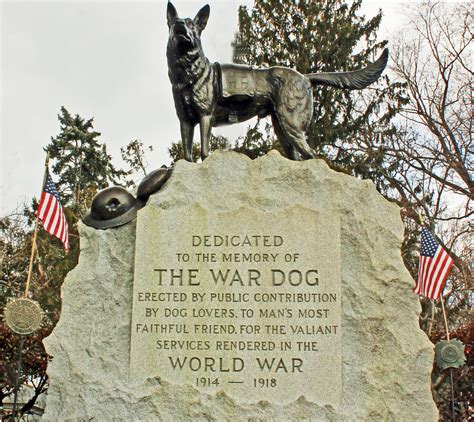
point(357, 79)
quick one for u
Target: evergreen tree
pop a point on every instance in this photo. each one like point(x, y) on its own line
point(326, 36)
point(81, 162)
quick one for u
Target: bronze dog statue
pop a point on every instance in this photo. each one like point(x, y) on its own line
point(213, 94)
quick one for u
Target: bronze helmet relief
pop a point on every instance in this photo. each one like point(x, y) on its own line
point(112, 207)
point(116, 206)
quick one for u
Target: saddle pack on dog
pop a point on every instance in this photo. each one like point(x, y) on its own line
point(239, 81)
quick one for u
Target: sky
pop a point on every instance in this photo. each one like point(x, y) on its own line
point(107, 60)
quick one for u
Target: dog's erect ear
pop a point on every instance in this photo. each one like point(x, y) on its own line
point(201, 18)
point(171, 14)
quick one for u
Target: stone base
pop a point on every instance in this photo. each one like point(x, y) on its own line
point(386, 358)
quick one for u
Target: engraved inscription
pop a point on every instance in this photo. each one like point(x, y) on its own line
point(246, 302)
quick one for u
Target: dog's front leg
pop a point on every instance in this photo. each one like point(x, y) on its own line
point(205, 126)
point(187, 133)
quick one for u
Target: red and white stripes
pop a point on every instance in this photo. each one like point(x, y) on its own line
point(432, 273)
point(51, 214)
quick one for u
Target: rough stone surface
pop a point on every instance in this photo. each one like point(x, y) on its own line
point(386, 358)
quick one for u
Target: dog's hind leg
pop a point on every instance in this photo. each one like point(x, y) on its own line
point(205, 127)
point(187, 133)
point(293, 108)
point(287, 148)
point(298, 139)
point(293, 139)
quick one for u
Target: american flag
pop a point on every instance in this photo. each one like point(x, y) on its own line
point(51, 214)
point(434, 268)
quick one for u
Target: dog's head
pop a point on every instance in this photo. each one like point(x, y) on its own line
point(185, 34)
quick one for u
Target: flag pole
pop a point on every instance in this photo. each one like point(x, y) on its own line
point(445, 318)
point(421, 218)
point(447, 335)
point(17, 378)
point(33, 243)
